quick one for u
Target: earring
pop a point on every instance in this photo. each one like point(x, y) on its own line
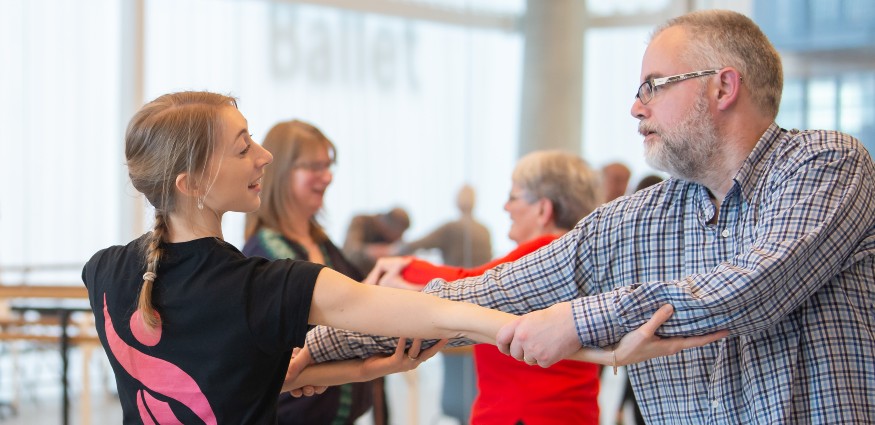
point(200, 203)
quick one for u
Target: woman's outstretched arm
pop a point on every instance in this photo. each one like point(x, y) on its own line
point(342, 303)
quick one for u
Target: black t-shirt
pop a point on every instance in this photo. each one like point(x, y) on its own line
point(228, 325)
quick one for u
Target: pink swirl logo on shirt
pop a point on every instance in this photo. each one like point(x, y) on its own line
point(158, 376)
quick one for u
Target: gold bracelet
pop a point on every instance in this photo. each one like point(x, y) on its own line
point(614, 358)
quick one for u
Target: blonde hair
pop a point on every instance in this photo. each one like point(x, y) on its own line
point(168, 136)
point(287, 141)
point(720, 38)
point(562, 178)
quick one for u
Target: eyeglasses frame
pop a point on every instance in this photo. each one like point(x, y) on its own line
point(656, 83)
point(316, 167)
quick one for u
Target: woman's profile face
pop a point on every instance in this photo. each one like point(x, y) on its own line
point(236, 167)
point(523, 215)
point(309, 178)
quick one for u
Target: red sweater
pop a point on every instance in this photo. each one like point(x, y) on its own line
point(510, 390)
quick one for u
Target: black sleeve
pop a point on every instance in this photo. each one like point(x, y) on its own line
point(278, 302)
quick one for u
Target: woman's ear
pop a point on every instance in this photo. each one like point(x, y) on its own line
point(545, 212)
point(184, 185)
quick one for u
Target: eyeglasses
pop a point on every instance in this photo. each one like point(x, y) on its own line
point(647, 89)
point(315, 166)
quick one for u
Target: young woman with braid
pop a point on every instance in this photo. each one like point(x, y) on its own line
point(196, 332)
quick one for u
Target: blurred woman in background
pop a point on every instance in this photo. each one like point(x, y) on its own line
point(285, 226)
point(551, 191)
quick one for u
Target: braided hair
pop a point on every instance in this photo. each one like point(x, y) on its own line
point(169, 136)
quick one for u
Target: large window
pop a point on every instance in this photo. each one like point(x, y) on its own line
point(62, 164)
point(841, 102)
point(416, 108)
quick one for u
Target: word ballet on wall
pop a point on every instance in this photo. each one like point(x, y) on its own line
point(342, 48)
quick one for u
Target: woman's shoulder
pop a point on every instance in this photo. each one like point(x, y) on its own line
point(117, 252)
point(108, 264)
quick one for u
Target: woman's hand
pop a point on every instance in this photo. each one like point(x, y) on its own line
point(300, 360)
point(400, 361)
point(643, 343)
point(387, 272)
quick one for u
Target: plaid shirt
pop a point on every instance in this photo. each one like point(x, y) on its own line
point(788, 267)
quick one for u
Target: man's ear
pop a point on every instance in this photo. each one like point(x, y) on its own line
point(729, 87)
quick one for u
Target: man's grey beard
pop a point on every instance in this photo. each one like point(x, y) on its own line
point(687, 150)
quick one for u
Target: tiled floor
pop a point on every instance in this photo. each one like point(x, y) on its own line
point(36, 390)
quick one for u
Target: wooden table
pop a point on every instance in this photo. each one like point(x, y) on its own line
point(43, 291)
point(56, 302)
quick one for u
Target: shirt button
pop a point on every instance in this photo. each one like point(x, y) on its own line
point(715, 404)
point(725, 233)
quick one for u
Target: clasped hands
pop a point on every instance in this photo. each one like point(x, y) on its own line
point(547, 336)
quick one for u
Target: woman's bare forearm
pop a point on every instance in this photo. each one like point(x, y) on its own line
point(327, 374)
point(343, 303)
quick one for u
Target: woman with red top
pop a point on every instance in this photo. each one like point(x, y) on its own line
point(551, 192)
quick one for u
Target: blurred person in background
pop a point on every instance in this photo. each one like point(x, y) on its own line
point(463, 242)
point(370, 237)
point(615, 180)
point(647, 181)
point(286, 226)
point(551, 191)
